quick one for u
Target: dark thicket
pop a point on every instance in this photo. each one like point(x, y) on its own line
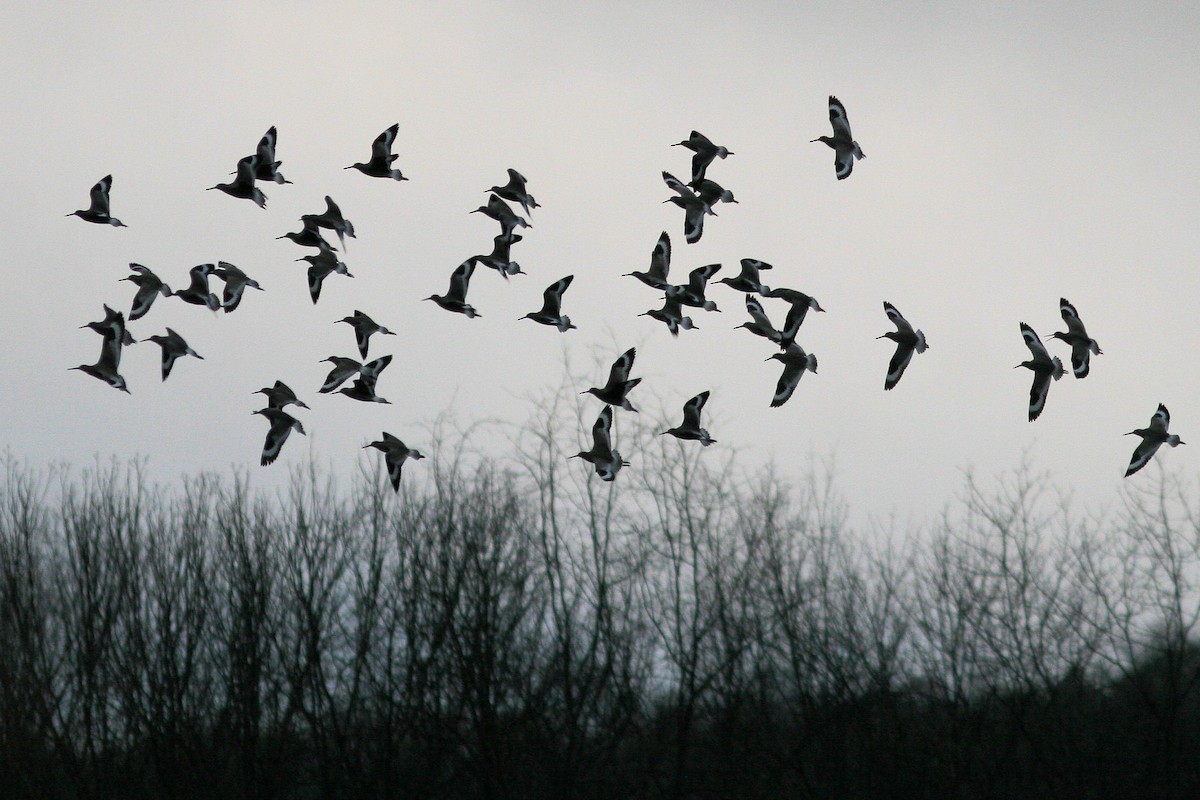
point(522, 630)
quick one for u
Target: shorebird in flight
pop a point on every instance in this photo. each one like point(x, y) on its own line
point(236, 283)
point(395, 453)
point(671, 314)
point(149, 288)
point(499, 210)
point(1082, 345)
point(759, 324)
point(514, 191)
point(660, 265)
point(795, 362)
point(690, 427)
point(345, 368)
point(332, 219)
point(551, 311)
point(1153, 437)
point(280, 396)
point(173, 347)
point(309, 236)
point(455, 298)
point(705, 152)
point(692, 292)
point(242, 185)
point(606, 461)
point(907, 341)
point(616, 391)
point(197, 293)
point(500, 259)
point(364, 329)
point(800, 304)
point(98, 211)
point(282, 424)
point(380, 165)
point(694, 209)
point(747, 280)
point(845, 149)
point(1044, 368)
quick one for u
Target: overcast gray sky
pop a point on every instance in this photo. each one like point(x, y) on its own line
point(1015, 154)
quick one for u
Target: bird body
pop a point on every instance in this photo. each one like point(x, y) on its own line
point(551, 313)
point(455, 298)
point(364, 329)
point(692, 293)
point(242, 185)
point(514, 191)
point(800, 304)
point(795, 362)
point(615, 392)
point(149, 288)
point(331, 218)
point(1044, 369)
point(173, 347)
point(747, 280)
point(1153, 437)
point(282, 424)
point(671, 314)
point(759, 324)
point(907, 341)
point(395, 453)
point(1082, 345)
point(499, 210)
point(380, 165)
point(845, 149)
point(705, 153)
point(236, 283)
point(500, 258)
point(197, 293)
point(98, 210)
point(280, 396)
point(309, 236)
point(345, 368)
point(690, 427)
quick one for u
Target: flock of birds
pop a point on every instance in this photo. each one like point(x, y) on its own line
point(697, 198)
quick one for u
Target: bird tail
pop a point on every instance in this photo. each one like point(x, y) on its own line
point(1058, 368)
point(922, 345)
point(811, 363)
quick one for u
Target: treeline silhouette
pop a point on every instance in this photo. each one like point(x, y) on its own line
point(519, 629)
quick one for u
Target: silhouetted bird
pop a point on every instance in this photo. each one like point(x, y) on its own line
point(455, 298)
point(800, 304)
point(692, 292)
point(907, 340)
point(671, 314)
point(112, 327)
point(498, 210)
point(845, 149)
point(321, 267)
point(694, 209)
point(243, 184)
point(236, 283)
point(660, 264)
point(395, 453)
point(309, 236)
point(332, 219)
point(705, 151)
point(690, 427)
point(711, 192)
point(345, 368)
point(280, 396)
point(282, 424)
point(1044, 368)
point(149, 288)
point(606, 461)
point(759, 324)
point(514, 191)
point(1152, 438)
point(380, 165)
point(173, 347)
point(98, 210)
point(1082, 345)
point(747, 280)
point(500, 259)
point(364, 329)
point(615, 392)
point(551, 313)
point(795, 362)
point(197, 293)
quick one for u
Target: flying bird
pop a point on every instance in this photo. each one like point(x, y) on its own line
point(660, 265)
point(500, 259)
point(345, 368)
point(280, 396)
point(149, 288)
point(332, 219)
point(1044, 368)
point(363, 389)
point(711, 192)
point(282, 424)
point(243, 183)
point(98, 211)
point(499, 210)
point(800, 304)
point(1152, 438)
point(197, 293)
point(690, 427)
point(321, 266)
point(551, 312)
point(705, 152)
point(907, 340)
point(112, 329)
point(395, 453)
point(692, 292)
point(309, 236)
point(236, 283)
point(455, 298)
point(694, 209)
point(266, 167)
point(795, 362)
point(671, 314)
point(380, 165)
point(1082, 345)
point(514, 191)
point(173, 347)
point(606, 461)
point(616, 391)
point(364, 329)
point(747, 280)
point(845, 149)
point(759, 324)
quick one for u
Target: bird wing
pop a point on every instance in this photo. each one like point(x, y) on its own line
point(1142, 453)
point(1071, 317)
point(896, 367)
point(620, 368)
point(897, 318)
point(676, 185)
point(552, 297)
point(381, 148)
point(266, 147)
point(99, 195)
point(281, 426)
point(1034, 343)
point(843, 163)
point(460, 279)
point(370, 371)
point(660, 258)
point(693, 223)
point(1081, 358)
point(787, 383)
point(1038, 393)
point(839, 120)
point(757, 314)
point(699, 277)
point(602, 435)
point(246, 168)
point(341, 372)
point(1161, 419)
point(692, 409)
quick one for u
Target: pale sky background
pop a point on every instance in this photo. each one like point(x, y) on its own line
point(1016, 153)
